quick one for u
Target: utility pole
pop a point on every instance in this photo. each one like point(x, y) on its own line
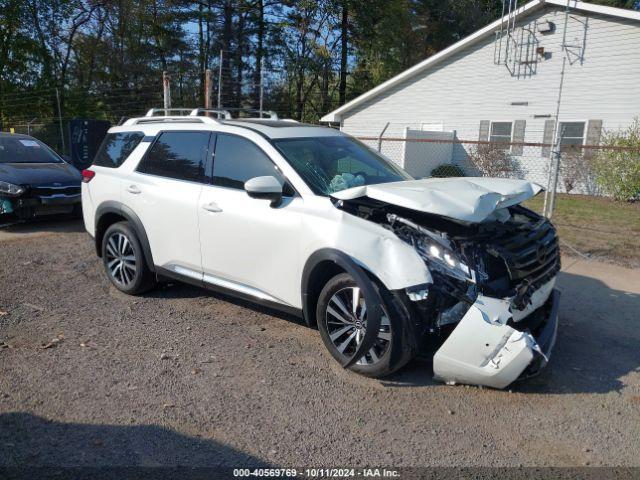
point(554, 160)
point(261, 88)
point(207, 88)
point(60, 120)
point(166, 89)
point(220, 82)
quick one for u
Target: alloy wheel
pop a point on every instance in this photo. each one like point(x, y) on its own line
point(346, 320)
point(121, 259)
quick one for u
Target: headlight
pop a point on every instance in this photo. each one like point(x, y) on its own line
point(11, 189)
point(433, 248)
point(446, 261)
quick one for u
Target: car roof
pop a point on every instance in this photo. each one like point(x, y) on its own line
point(267, 128)
point(275, 129)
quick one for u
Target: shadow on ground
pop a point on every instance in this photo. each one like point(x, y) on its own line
point(11, 228)
point(29, 440)
point(176, 289)
point(597, 341)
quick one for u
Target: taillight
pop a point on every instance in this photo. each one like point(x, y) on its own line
point(87, 175)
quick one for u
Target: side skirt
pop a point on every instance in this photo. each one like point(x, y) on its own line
point(166, 274)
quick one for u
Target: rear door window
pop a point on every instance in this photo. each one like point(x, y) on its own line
point(238, 160)
point(116, 147)
point(178, 155)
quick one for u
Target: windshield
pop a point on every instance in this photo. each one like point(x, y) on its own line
point(331, 164)
point(25, 150)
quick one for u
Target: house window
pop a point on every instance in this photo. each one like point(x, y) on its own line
point(500, 132)
point(571, 134)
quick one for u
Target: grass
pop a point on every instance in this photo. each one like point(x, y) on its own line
point(598, 227)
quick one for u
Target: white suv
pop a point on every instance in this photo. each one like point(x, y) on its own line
point(309, 220)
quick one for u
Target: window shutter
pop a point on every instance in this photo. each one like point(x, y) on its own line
point(594, 130)
point(518, 136)
point(547, 137)
point(484, 130)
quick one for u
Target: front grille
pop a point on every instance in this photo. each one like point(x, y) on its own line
point(49, 190)
point(530, 254)
point(518, 256)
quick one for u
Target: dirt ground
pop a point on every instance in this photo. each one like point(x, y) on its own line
point(181, 376)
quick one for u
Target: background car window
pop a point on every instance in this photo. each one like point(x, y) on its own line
point(25, 150)
point(179, 155)
point(116, 147)
point(238, 160)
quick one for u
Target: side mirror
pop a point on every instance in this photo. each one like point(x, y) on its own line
point(267, 188)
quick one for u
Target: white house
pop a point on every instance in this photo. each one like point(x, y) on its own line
point(505, 82)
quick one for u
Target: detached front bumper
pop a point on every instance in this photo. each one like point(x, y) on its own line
point(489, 347)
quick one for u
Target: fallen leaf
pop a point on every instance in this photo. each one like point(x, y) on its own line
point(55, 341)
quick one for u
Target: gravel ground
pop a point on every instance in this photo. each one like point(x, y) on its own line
point(181, 376)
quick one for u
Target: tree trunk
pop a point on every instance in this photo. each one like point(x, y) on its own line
point(201, 55)
point(240, 44)
point(257, 74)
point(324, 86)
point(344, 45)
point(227, 32)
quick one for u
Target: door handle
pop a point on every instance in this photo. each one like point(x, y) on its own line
point(133, 189)
point(212, 207)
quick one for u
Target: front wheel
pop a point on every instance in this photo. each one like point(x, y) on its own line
point(124, 260)
point(342, 320)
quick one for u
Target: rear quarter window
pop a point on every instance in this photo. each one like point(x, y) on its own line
point(116, 147)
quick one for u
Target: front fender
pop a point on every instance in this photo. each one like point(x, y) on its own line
point(395, 263)
point(371, 295)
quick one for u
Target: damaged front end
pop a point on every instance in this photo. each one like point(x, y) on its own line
point(27, 202)
point(492, 303)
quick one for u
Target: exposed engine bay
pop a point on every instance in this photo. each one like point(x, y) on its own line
point(492, 287)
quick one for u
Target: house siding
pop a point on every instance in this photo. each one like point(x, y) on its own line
point(468, 87)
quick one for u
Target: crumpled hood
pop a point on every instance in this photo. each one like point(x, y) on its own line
point(468, 199)
point(39, 173)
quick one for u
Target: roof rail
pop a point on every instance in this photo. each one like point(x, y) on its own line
point(271, 114)
point(165, 111)
point(196, 112)
point(174, 119)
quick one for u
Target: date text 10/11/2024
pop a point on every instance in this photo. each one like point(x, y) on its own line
point(317, 472)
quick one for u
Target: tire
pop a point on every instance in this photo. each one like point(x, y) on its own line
point(388, 354)
point(124, 260)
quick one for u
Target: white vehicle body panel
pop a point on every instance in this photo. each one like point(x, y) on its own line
point(466, 199)
point(250, 243)
point(373, 247)
point(223, 237)
point(168, 211)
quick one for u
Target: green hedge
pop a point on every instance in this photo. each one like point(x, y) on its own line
point(447, 170)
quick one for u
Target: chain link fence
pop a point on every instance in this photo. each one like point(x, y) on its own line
point(591, 190)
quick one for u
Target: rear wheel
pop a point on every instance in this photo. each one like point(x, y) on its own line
point(124, 260)
point(342, 320)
